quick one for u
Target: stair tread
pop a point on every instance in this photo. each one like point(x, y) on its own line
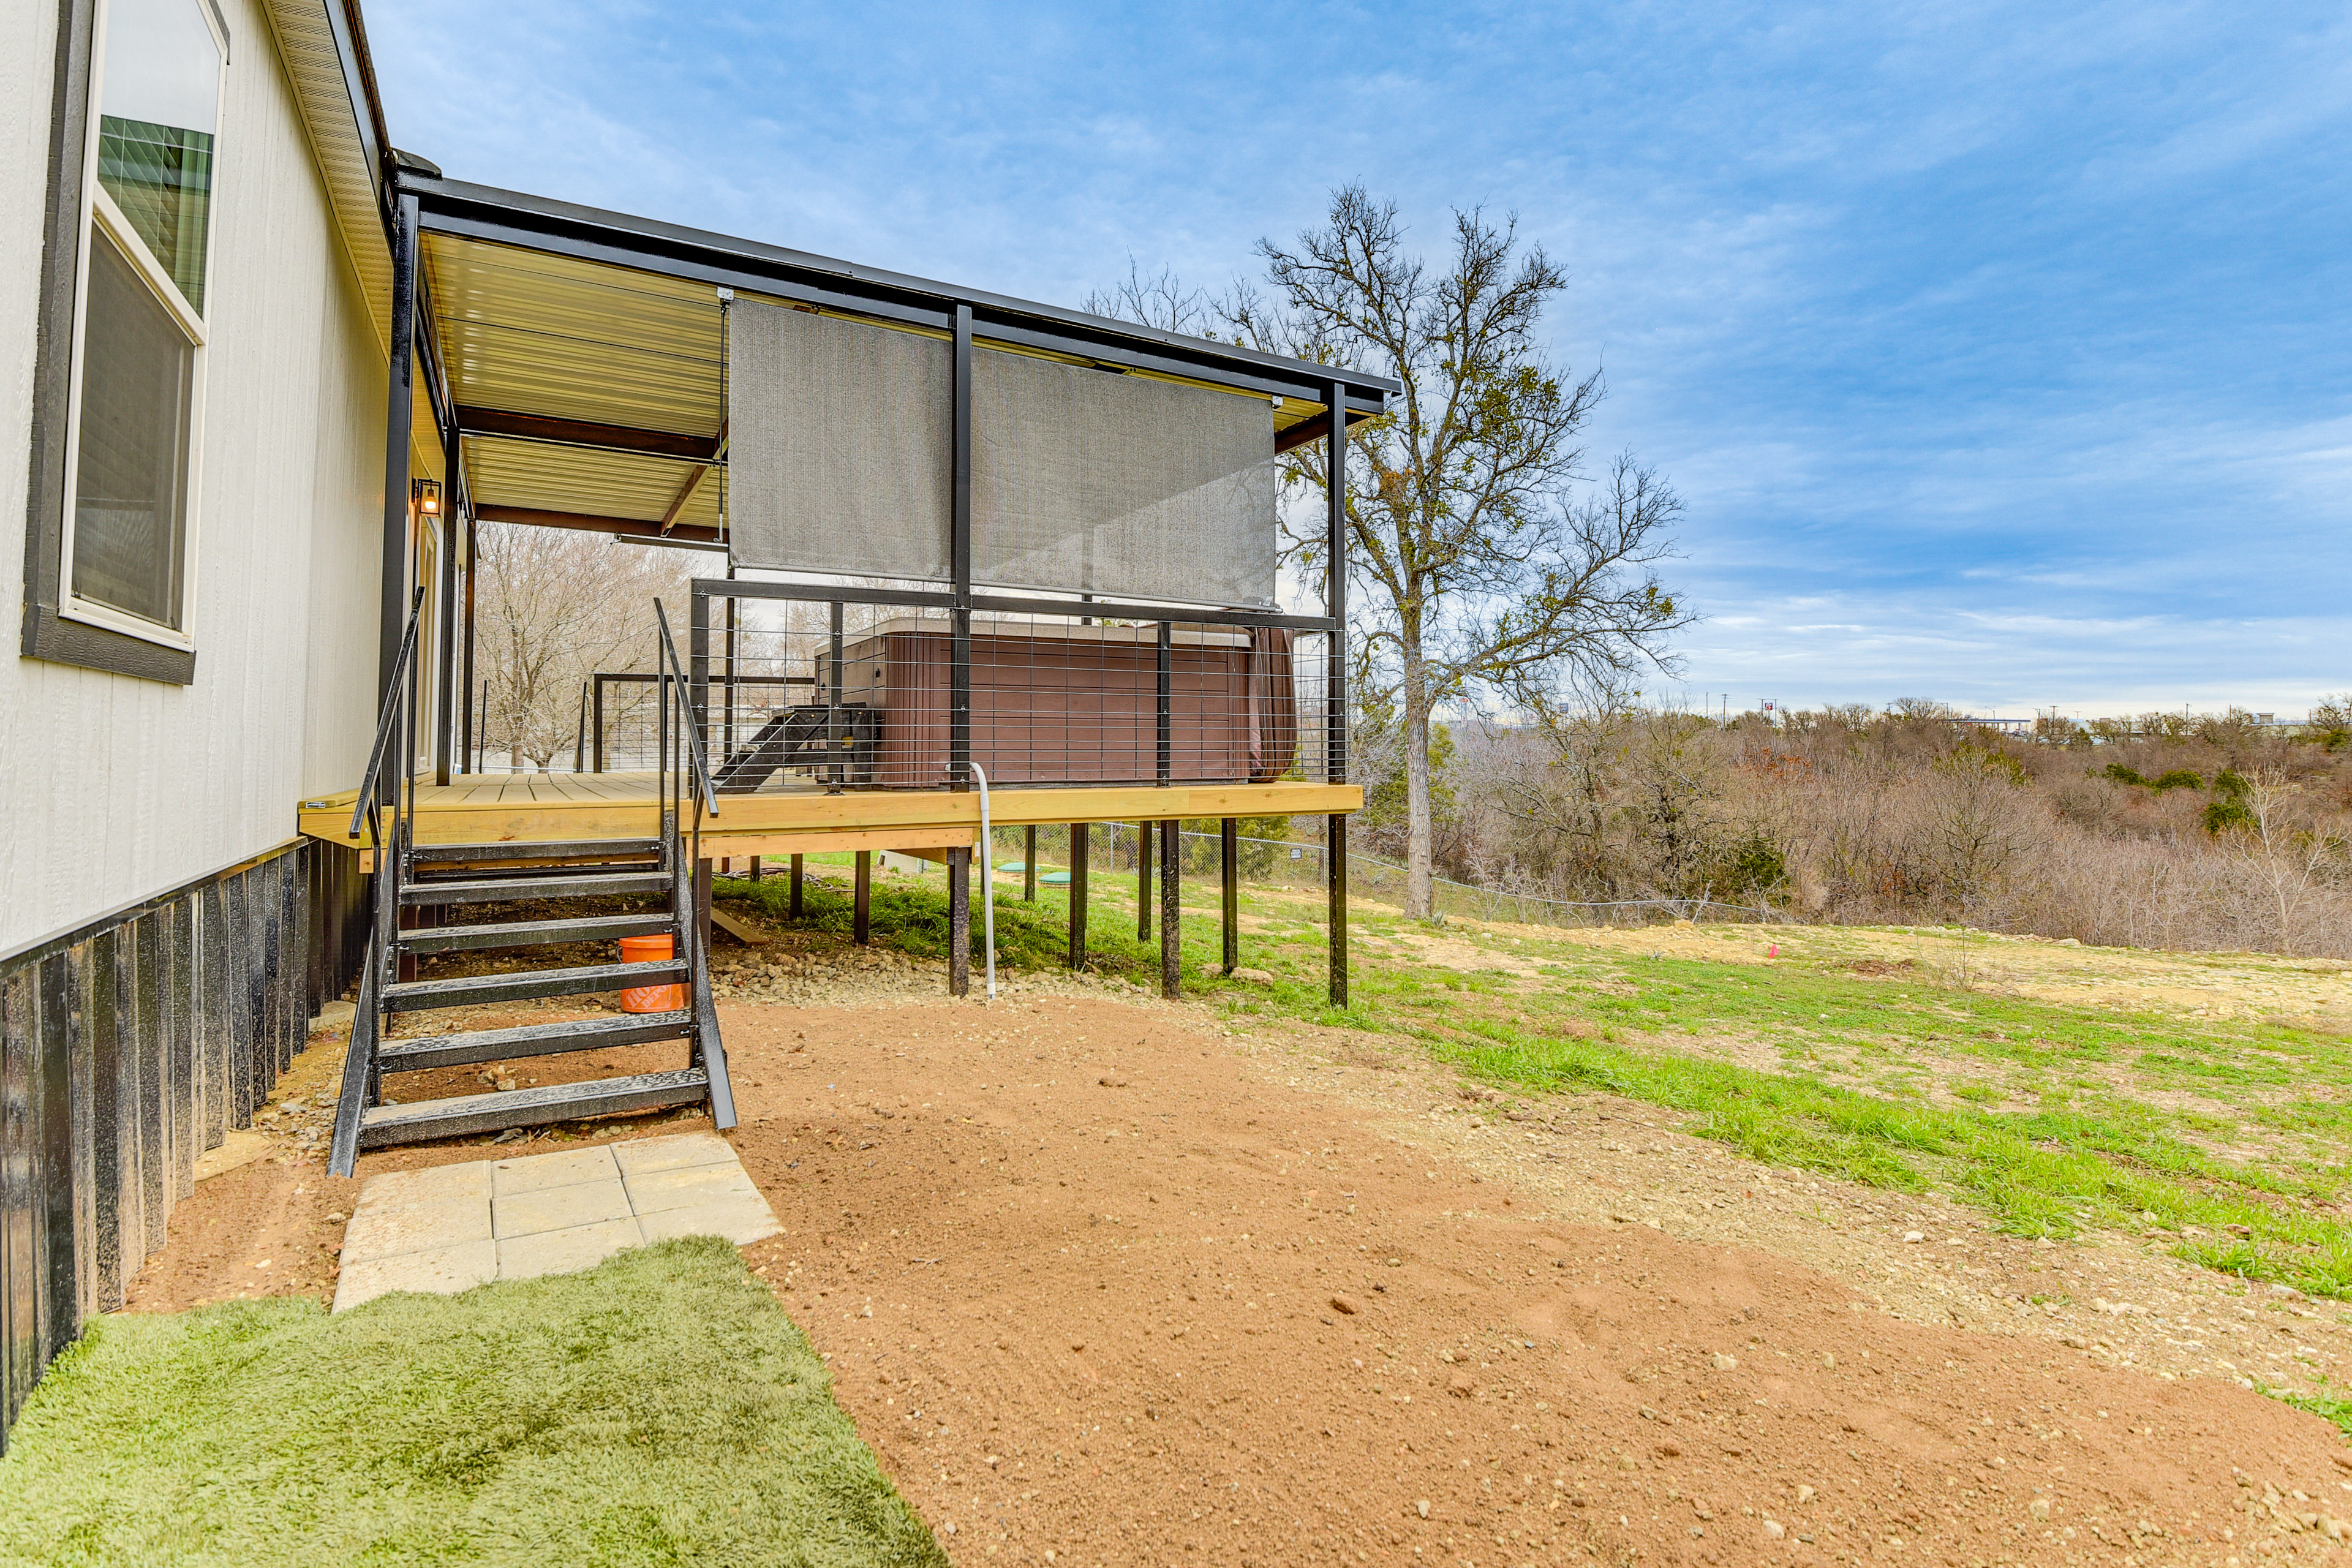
point(544, 1102)
point(526, 933)
point(548, 885)
point(531, 1039)
point(513, 985)
point(447, 853)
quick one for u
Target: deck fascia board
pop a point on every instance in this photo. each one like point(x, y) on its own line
point(552, 807)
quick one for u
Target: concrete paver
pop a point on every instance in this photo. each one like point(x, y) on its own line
point(454, 1227)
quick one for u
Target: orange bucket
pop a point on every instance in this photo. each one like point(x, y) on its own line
point(650, 998)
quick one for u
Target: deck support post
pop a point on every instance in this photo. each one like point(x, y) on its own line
point(861, 906)
point(1029, 864)
point(1078, 831)
point(399, 417)
point(796, 887)
point(1230, 865)
point(1335, 684)
point(755, 868)
point(959, 922)
point(1143, 881)
point(1171, 945)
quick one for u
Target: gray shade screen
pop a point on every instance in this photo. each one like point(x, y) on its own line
point(1120, 484)
point(838, 461)
point(837, 445)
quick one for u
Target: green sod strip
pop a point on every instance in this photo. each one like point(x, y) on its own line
point(658, 1409)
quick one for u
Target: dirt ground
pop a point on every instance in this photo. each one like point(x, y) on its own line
point(1105, 1283)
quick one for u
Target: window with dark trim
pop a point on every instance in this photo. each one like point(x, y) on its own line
point(114, 501)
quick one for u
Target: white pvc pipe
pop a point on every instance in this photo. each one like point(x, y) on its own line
point(987, 880)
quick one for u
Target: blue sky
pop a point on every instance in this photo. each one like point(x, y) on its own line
point(2002, 352)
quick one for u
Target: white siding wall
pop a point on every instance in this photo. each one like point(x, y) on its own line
point(112, 788)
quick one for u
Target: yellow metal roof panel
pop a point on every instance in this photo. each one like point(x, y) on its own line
point(529, 332)
point(547, 478)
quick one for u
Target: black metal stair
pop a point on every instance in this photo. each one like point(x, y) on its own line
point(425, 877)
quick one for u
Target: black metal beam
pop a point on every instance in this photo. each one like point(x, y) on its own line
point(636, 527)
point(399, 415)
point(467, 211)
point(549, 430)
point(861, 916)
point(999, 604)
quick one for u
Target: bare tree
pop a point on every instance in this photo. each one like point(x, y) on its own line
point(554, 607)
point(2290, 860)
point(1159, 301)
point(1488, 570)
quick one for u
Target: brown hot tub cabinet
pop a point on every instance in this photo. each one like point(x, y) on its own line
point(1050, 704)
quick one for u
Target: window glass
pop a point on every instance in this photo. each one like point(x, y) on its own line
point(131, 477)
point(158, 109)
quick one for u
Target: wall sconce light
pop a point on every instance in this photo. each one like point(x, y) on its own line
point(426, 494)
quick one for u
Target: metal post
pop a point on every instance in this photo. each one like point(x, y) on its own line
point(1143, 881)
point(1078, 831)
point(1167, 682)
point(1171, 930)
point(580, 737)
point(698, 665)
point(399, 415)
point(727, 735)
point(861, 919)
point(796, 887)
point(444, 659)
point(703, 902)
point(1334, 686)
point(597, 720)
point(1229, 844)
point(837, 772)
point(1029, 865)
point(960, 541)
point(959, 922)
point(482, 741)
point(473, 546)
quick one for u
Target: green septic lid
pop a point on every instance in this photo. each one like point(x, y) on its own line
point(1014, 866)
point(1055, 879)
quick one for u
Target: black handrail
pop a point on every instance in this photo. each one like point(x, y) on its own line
point(706, 792)
point(371, 795)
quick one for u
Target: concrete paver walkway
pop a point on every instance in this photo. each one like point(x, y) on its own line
point(454, 1227)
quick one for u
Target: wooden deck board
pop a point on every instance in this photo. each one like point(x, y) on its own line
point(538, 808)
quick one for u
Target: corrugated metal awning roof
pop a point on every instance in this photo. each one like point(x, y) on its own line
point(585, 351)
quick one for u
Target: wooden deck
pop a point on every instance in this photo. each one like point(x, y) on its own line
point(498, 808)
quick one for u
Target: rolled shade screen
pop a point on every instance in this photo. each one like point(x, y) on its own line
point(1120, 484)
point(1083, 481)
point(837, 445)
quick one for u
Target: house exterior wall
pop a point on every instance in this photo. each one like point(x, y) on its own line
point(164, 937)
point(115, 788)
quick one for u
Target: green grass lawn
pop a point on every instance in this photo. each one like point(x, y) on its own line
point(2227, 1139)
point(658, 1409)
